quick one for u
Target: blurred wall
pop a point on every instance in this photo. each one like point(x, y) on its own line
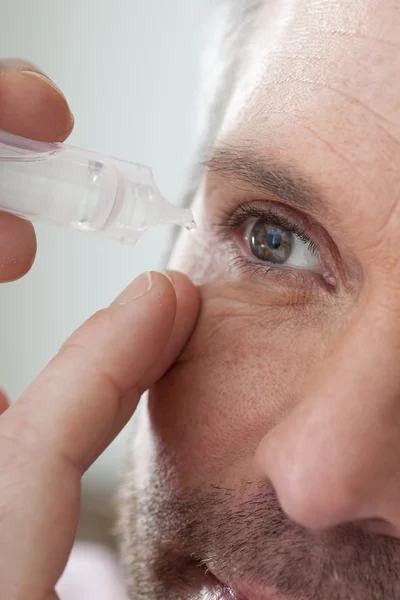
point(129, 71)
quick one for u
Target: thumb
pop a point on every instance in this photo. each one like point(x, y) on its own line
point(33, 107)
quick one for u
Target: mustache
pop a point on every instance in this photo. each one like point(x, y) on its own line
point(243, 533)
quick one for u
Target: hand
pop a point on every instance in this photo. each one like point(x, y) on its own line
point(84, 397)
point(31, 106)
point(70, 414)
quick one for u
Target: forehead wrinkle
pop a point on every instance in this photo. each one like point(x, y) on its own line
point(349, 97)
point(356, 34)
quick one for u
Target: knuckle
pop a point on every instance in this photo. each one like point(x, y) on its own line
point(101, 322)
point(102, 319)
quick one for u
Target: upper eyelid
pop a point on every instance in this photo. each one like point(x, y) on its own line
point(230, 216)
point(228, 212)
point(261, 210)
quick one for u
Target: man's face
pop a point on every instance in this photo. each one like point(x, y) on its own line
point(267, 460)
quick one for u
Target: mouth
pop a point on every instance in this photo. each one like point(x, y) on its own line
point(241, 590)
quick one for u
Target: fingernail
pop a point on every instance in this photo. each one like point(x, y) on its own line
point(45, 79)
point(138, 288)
point(168, 276)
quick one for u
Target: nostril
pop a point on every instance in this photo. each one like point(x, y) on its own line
point(377, 526)
point(324, 477)
point(308, 494)
point(307, 509)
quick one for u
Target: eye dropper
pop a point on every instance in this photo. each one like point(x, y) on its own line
point(60, 184)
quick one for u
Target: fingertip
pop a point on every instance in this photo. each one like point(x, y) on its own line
point(149, 281)
point(4, 403)
point(166, 288)
point(33, 107)
point(186, 292)
point(17, 247)
point(187, 311)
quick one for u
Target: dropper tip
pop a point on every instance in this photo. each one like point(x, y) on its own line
point(176, 215)
point(191, 225)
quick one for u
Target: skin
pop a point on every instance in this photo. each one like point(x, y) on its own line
point(80, 402)
point(266, 460)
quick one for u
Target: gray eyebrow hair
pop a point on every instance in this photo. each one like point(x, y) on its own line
point(284, 182)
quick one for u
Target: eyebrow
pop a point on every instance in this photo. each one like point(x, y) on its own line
point(282, 181)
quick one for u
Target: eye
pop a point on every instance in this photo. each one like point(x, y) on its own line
point(281, 244)
point(264, 239)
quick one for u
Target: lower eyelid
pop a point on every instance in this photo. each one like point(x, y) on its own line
point(292, 279)
point(292, 275)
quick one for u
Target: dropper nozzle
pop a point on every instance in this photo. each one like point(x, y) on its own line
point(175, 215)
point(68, 186)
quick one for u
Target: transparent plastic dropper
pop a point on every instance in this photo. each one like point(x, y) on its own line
point(60, 184)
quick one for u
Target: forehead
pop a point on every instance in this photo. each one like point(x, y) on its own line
point(319, 85)
point(305, 52)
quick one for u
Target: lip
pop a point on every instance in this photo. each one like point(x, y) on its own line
point(243, 590)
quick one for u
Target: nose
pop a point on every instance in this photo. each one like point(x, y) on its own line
point(335, 458)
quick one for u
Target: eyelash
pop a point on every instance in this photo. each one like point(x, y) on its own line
point(233, 224)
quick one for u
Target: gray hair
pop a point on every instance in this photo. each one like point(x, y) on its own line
point(229, 31)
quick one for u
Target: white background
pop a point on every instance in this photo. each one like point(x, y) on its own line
point(129, 69)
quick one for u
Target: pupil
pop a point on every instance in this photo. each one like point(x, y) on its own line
point(270, 243)
point(274, 239)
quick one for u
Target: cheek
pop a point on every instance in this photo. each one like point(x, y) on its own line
point(238, 376)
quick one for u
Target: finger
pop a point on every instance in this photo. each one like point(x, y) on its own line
point(17, 246)
point(188, 305)
point(30, 106)
point(64, 417)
